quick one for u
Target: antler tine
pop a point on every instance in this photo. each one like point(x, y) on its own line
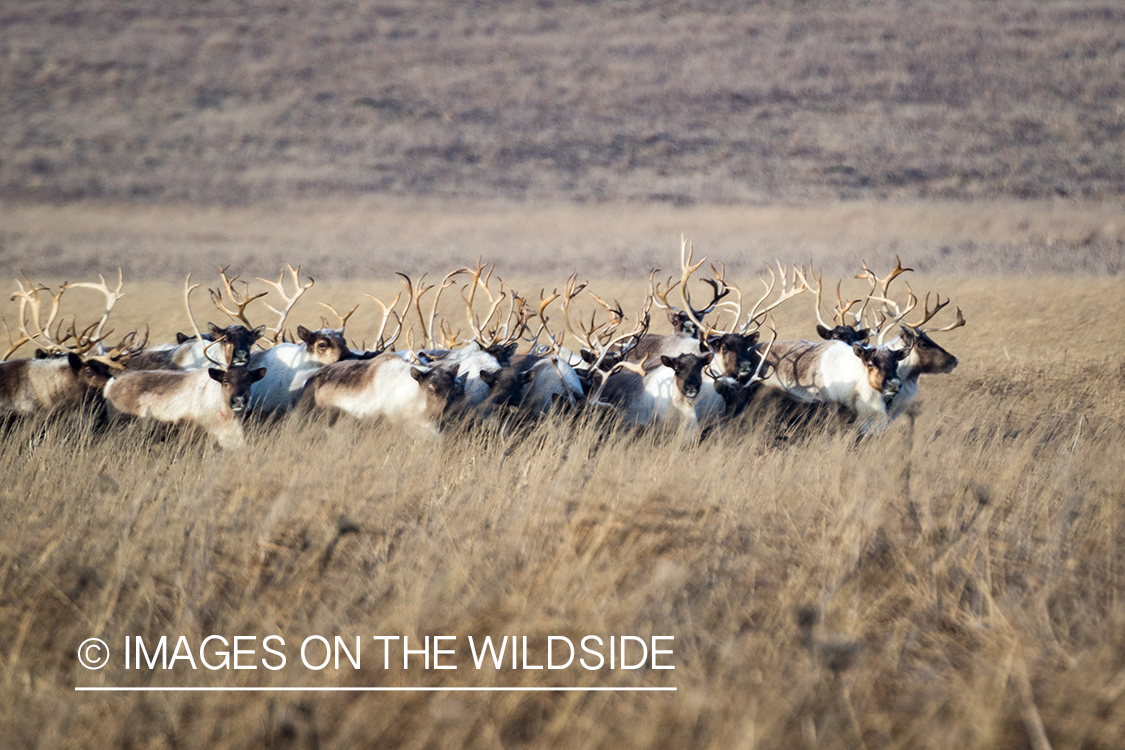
point(881, 284)
point(887, 323)
point(449, 339)
point(445, 284)
point(343, 318)
point(83, 341)
point(246, 298)
point(787, 292)
point(502, 332)
point(387, 344)
point(607, 340)
point(298, 290)
point(661, 297)
point(616, 314)
point(522, 318)
point(956, 324)
point(29, 297)
point(840, 312)
point(687, 252)
point(126, 348)
point(544, 303)
point(819, 290)
point(927, 313)
point(13, 345)
point(572, 290)
point(388, 310)
point(415, 292)
point(769, 290)
point(206, 348)
point(757, 376)
point(111, 296)
point(493, 337)
point(188, 289)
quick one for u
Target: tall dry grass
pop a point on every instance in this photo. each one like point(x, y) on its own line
point(952, 583)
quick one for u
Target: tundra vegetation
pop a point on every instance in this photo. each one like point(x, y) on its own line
point(952, 581)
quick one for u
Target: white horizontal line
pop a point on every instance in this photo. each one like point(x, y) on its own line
point(374, 689)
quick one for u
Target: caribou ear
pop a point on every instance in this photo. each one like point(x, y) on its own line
point(304, 334)
point(823, 332)
point(214, 330)
point(706, 358)
point(527, 376)
point(752, 338)
point(216, 374)
point(510, 350)
point(256, 375)
point(74, 361)
point(588, 356)
point(417, 374)
point(863, 333)
point(489, 376)
point(861, 351)
point(667, 361)
point(182, 337)
point(453, 370)
point(259, 332)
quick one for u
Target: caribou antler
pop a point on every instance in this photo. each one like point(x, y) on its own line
point(788, 291)
point(388, 311)
point(428, 325)
point(111, 297)
point(881, 285)
point(840, 312)
point(718, 284)
point(126, 348)
point(818, 290)
point(188, 289)
point(14, 345)
point(885, 324)
point(481, 279)
point(239, 299)
point(757, 376)
point(341, 319)
point(927, 314)
point(299, 290)
point(545, 302)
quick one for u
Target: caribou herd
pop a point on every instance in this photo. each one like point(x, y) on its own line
point(513, 363)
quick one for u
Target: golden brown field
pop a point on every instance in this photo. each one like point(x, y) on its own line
point(955, 582)
point(951, 583)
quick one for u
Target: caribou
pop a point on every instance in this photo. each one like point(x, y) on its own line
point(706, 371)
point(388, 386)
point(213, 399)
point(924, 357)
point(62, 375)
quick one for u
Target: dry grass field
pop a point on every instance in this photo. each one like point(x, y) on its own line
point(952, 583)
point(633, 101)
point(955, 582)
